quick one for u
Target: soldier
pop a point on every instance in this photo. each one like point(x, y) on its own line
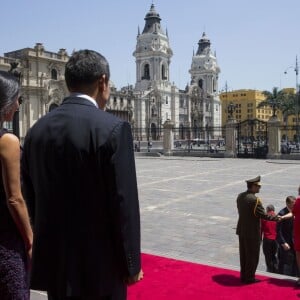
point(250, 210)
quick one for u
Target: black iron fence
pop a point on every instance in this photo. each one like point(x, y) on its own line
point(186, 139)
point(252, 139)
point(290, 139)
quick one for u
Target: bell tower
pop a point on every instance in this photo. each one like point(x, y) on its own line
point(205, 70)
point(203, 91)
point(157, 100)
point(152, 52)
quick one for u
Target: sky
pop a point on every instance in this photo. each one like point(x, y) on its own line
point(255, 41)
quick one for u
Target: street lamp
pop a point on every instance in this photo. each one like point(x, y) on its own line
point(296, 69)
point(231, 109)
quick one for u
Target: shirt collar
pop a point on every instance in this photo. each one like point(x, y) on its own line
point(85, 97)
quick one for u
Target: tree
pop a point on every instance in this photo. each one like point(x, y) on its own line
point(288, 103)
point(288, 106)
point(274, 99)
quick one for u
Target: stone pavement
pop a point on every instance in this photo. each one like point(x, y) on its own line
point(188, 205)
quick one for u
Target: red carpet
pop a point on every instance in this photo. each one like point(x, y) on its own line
point(172, 279)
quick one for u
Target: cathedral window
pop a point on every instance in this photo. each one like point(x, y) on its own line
point(53, 74)
point(200, 83)
point(146, 72)
point(181, 103)
point(153, 111)
point(163, 73)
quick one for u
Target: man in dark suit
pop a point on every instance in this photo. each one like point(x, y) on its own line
point(286, 254)
point(80, 185)
point(250, 211)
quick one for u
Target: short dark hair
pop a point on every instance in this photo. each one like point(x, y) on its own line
point(9, 90)
point(84, 68)
point(250, 184)
point(290, 199)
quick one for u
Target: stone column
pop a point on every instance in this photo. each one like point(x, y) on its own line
point(274, 138)
point(168, 137)
point(231, 135)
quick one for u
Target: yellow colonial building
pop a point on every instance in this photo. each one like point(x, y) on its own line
point(246, 102)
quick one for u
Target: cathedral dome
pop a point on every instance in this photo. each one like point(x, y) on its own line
point(204, 45)
point(152, 24)
point(152, 13)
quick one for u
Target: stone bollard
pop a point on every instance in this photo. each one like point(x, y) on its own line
point(274, 138)
point(231, 135)
point(168, 137)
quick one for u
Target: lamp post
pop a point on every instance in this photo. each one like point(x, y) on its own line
point(296, 69)
point(148, 121)
point(231, 109)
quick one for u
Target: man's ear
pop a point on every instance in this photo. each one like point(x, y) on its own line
point(103, 83)
point(103, 91)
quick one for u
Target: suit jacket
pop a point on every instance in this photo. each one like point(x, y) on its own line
point(250, 211)
point(285, 229)
point(80, 185)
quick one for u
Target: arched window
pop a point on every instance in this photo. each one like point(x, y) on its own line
point(163, 73)
point(200, 83)
point(153, 111)
point(214, 85)
point(53, 74)
point(146, 72)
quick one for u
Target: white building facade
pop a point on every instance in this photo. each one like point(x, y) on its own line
point(43, 85)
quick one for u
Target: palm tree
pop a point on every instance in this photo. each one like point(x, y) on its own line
point(274, 99)
point(292, 108)
point(288, 105)
point(286, 102)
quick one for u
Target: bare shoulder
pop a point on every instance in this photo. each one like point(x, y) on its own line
point(9, 142)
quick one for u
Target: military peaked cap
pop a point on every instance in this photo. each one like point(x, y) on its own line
point(254, 180)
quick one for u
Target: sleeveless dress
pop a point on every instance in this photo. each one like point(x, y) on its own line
point(13, 263)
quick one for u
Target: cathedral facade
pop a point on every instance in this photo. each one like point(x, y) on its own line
point(147, 104)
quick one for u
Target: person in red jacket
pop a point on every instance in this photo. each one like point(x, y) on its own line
point(269, 245)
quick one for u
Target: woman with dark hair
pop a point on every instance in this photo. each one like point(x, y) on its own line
point(15, 229)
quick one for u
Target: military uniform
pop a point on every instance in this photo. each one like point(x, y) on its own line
point(250, 211)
